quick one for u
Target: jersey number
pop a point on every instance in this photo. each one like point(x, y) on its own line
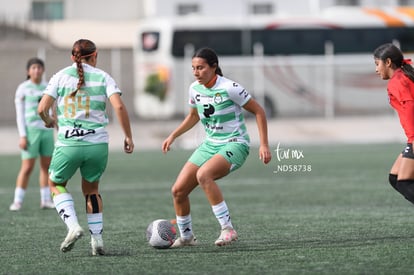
point(76, 103)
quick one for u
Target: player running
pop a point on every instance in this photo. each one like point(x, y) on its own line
point(35, 139)
point(80, 92)
point(391, 65)
point(217, 102)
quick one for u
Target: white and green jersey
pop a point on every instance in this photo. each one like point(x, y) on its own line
point(220, 110)
point(28, 95)
point(81, 118)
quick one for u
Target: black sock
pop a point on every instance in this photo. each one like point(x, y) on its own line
point(393, 180)
point(406, 188)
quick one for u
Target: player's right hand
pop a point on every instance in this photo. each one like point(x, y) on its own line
point(128, 145)
point(23, 143)
point(50, 123)
point(166, 144)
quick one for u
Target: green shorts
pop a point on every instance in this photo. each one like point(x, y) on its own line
point(40, 142)
point(235, 153)
point(90, 159)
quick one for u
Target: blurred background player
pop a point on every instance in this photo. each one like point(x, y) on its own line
point(217, 102)
point(390, 65)
point(35, 139)
point(81, 92)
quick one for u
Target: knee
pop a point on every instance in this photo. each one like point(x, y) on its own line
point(178, 193)
point(203, 178)
point(26, 170)
point(44, 166)
point(90, 187)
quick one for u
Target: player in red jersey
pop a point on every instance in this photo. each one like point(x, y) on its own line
point(391, 65)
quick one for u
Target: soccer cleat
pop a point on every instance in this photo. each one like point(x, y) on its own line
point(15, 206)
point(227, 236)
point(74, 234)
point(97, 245)
point(47, 205)
point(180, 242)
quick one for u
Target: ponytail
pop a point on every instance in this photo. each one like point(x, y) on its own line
point(78, 60)
point(408, 69)
point(82, 49)
point(218, 70)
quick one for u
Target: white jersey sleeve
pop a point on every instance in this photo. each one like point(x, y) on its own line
point(191, 96)
point(20, 115)
point(52, 86)
point(111, 87)
point(238, 94)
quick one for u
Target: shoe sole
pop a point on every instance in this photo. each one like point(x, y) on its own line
point(15, 208)
point(194, 242)
point(224, 243)
point(69, 246)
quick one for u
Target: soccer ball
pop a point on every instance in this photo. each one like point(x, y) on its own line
point(161, 233)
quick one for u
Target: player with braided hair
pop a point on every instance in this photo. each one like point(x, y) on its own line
point(82, 50)
point(391, 65)
point(81, 92)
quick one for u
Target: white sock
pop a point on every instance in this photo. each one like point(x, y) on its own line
point(222, 214)
point(45, 194)
point(185, 226)
point(19, 195)
point(66, 209)
point(95, 223)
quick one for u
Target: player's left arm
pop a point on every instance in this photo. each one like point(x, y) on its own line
point(253, 107)
point(114, 94)
point(243, 98)
point(400, 89)
point(123, 119)
point(409, 119)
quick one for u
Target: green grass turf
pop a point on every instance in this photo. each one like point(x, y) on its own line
point(340, 218)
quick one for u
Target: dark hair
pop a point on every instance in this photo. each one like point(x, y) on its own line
point(32, 61)
point(392, 52)
point(82, 49)
point(210, 56)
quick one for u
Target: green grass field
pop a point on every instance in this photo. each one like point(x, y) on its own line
point(341, 217)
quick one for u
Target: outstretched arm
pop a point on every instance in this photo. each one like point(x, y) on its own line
point(254, 107)
point(123, 118)
point(190, 120)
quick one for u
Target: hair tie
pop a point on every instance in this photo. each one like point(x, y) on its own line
point(87, 55)
point(407, 61)
point(94, 53)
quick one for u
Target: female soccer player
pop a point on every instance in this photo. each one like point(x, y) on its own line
point(80, 92)
point(391, 65)
point(217, 102)
point(35, 139)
